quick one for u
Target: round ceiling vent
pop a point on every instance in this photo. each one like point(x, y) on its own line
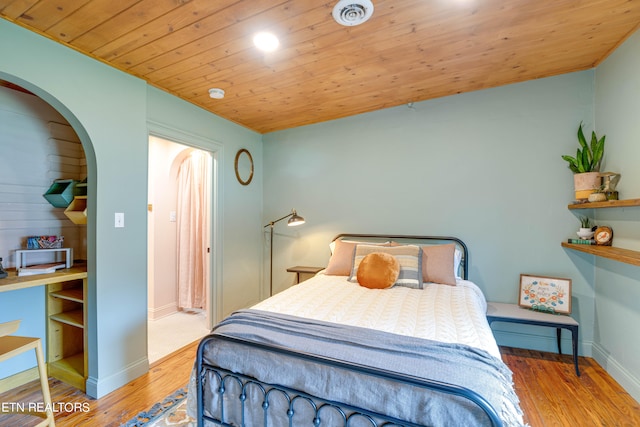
point(352, 12)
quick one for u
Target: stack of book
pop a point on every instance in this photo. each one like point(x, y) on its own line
point(40, 269)
point(581, 241)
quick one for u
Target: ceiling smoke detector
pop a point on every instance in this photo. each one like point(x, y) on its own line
point(352, 12)
point(216, 93)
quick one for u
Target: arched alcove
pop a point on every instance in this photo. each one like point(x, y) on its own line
point(17, 83)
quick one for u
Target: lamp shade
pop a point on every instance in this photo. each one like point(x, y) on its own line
point(295, 219)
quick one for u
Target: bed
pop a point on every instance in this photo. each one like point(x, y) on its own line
point(335, 350)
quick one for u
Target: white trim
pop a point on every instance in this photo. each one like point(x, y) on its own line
point(164, 311)
point(183, 137)
point(216, 149)
point(98, 388)
point(617, 371)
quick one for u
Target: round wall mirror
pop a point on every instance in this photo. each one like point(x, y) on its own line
point(244, 166)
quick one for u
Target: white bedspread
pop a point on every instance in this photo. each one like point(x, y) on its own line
point(438, 312)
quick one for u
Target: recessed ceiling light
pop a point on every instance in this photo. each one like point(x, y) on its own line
point(216, 93)
point(266, 42)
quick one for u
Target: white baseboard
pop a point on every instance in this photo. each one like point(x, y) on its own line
point(99, 387)
point(164, 311)
point(541, 343)
point(619, 373)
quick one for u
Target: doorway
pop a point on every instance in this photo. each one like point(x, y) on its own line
point(179, 266)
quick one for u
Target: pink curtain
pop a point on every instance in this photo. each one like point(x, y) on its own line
point(193, 187)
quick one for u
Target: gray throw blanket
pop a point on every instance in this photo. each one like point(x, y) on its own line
point(457, 364)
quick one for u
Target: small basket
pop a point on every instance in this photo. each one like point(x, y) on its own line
point(44, 242)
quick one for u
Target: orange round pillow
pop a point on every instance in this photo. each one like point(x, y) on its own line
point(378, 270)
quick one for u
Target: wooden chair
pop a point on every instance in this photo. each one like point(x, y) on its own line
point(10, 346)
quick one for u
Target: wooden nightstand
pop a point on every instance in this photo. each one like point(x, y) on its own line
point(303, 273)
point(500, 312)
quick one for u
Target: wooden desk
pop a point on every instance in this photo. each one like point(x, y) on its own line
point(14, 282)
point(501, 312)
point(66, 317)
point(303, 273)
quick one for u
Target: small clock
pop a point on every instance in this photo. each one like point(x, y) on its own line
point(603, 236)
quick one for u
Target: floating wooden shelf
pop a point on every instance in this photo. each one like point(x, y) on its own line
point(627, 256)
point(606, 204)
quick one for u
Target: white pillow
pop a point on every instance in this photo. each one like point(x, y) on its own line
point(457, 259)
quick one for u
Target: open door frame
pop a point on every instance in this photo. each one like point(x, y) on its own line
point(215, 149)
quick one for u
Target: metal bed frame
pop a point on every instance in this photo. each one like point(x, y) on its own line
point(295, 399)
point(319, 405)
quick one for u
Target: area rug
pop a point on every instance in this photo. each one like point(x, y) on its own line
point(171, 412)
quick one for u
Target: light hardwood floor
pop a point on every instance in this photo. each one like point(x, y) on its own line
point(164, 377)
point(550, 393)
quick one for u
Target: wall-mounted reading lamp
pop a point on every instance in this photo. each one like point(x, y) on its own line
point(294, 219)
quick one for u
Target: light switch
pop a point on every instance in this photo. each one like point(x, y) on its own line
point(119, 220)
point(172, 216)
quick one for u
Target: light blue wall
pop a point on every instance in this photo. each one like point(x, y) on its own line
point(486, 167)
point(110, 111)
point(483, 166)
point(617, 316)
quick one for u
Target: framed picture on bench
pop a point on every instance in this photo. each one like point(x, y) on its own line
point(544, 293)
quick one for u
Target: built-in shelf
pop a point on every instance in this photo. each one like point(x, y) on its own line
point(73, 294)
point(73, 318)
point(627, 256)
point(606, 204)
point(71, 368)
point(66, 333)
point(67, 337)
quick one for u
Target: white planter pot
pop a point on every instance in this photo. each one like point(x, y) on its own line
point(585, 233)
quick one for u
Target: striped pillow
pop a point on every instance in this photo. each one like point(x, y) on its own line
point(409, 257)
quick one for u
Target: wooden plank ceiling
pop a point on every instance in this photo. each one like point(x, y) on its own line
point(409, 51)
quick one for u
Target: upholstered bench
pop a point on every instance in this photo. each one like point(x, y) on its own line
point(512, 313)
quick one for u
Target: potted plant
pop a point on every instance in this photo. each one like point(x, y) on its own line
point(586, 230)
point(586, 164)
